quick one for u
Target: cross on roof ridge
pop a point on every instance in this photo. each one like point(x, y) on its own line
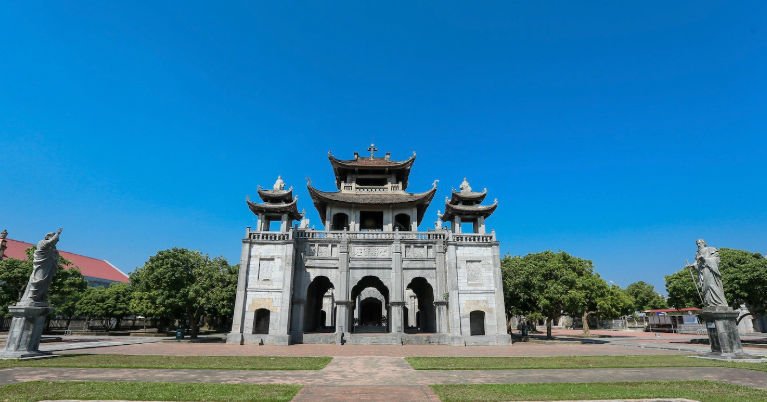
point(372, 150)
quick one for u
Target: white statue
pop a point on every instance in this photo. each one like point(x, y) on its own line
point(709, 278)
point(279, 184)
point(304, 223)
point(465, 187)
point(438, 223)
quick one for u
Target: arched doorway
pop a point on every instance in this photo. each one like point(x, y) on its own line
point(371, 310)
point(261, 324)
point(425, 314)
point(477, 322)
point(317, 308)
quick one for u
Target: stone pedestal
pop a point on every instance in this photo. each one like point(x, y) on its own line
point(26, 329)
point(723, 333)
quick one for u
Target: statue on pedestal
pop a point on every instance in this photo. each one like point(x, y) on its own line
point(45, 264)
point(709, 278)
point(30, 312)
point(279, 184)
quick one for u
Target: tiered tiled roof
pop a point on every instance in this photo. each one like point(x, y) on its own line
point(277, 201)
point(465, 203)
point(401, 168)
point(467, 197)
point(323, 198)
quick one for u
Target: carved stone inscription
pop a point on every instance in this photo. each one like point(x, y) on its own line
point(371, 251)
point(474, 271)
point(265, 268)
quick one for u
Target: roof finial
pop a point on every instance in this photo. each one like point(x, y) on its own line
point(372, 150)
point(465, 187)
point(279, 184)
point(4, 234)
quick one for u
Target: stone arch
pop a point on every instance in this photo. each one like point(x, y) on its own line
point(477, 322)
point(425, 315)
point(367, 288)
point(261, 321)
point(316, 305)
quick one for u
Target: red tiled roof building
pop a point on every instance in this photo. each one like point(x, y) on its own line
point(97, 272)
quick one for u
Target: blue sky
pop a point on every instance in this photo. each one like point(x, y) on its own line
point(618, 132)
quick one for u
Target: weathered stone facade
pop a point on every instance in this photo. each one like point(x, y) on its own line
point(371, 277)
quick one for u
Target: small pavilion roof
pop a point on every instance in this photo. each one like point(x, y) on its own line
point(464, 197)
point(340, 167)
point(285, 196)
point(323, 198)
point(452, 210)
point(290, 208)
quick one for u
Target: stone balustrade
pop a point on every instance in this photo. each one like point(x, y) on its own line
point(337, 235)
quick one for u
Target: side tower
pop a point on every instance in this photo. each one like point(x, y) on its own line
point(477, 313)
point(262, 305)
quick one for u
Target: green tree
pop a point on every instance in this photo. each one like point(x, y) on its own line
point(593, 295)
point(178, 283)
point(222, 296)
point(545, 284)
point(681, 290)
point(645, 297)
point(110, 304)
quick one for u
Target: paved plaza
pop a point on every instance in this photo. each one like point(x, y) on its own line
point(380, 372)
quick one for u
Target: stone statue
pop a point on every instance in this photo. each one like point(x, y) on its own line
point(45, 264)
point(709, 278)
point(465, 187)
point(279, 184)
point(304, 223)
point(438, 223)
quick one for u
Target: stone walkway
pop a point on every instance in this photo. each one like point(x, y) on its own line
point(382, 378)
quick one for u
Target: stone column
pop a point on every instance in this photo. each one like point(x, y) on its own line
point(502, 333)
point(343, 303)
point(238, 321)
point(284, 223)
point(481, 225)
point(396, 300)
point(439, 297)
point(457, 224)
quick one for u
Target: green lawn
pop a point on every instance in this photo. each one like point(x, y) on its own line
point(176, 362)
point(570, 362)
point(145, 391)
point(707, 391)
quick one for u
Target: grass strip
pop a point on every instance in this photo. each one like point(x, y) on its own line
point(146, 391)
point(176, 362)
point(570, 362)
point(708, 391)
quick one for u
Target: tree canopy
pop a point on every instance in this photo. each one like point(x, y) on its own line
point(645, 297)
point(181, 283)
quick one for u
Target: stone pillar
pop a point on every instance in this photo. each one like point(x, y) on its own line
point(238, 322)
point(284, 224)
point(26, 330)
point(439, 297)
point(723, 333)
point(502, 333)
point(480, 225)
point(397, 296)
point(343, 303)
point(297, 326)
point(457, 224)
